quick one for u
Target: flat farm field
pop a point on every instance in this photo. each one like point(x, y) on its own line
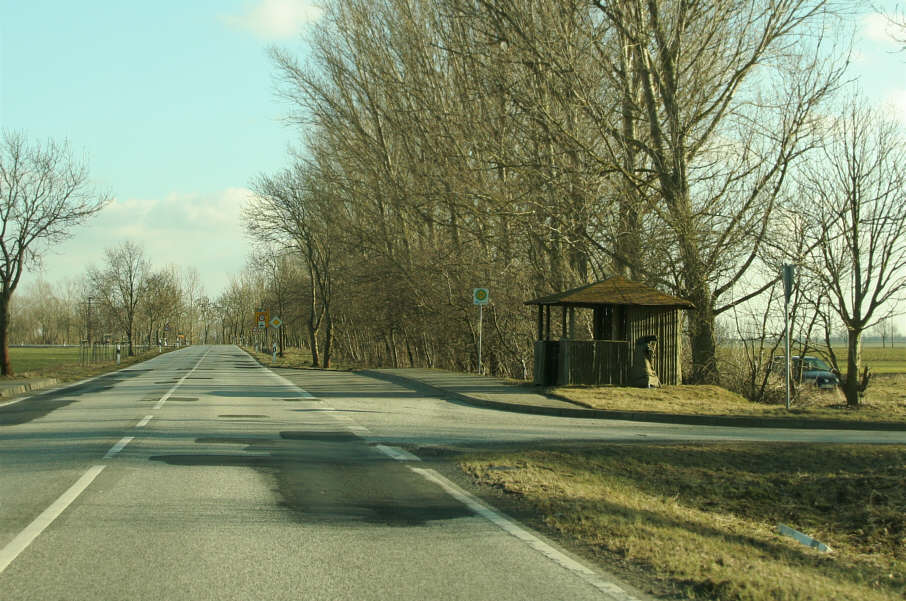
point(32, 359)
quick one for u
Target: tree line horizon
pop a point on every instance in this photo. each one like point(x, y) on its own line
point(535, 147)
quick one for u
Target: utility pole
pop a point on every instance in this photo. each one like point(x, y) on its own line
point(788, 274)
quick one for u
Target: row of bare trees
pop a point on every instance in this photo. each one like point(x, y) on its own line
point(532, 147)
point(123, 299)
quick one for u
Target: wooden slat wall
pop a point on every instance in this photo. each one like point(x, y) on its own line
point(594, 362)
point(665, 324)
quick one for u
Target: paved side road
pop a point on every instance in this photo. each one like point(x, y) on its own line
point(201, 475)
point(493, 393)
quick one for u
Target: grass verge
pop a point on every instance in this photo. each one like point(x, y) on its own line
point(63, 364)
point(701, 519)
point(293, 358)
point(886, 401)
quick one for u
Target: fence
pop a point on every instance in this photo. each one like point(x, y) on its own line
point(98, 352)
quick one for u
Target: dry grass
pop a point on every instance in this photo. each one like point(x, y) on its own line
point(293, 358)
point(884, 402)
point(702, 519)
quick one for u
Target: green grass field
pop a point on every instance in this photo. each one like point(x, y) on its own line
point(890, 360)
point(63, 363)
point(26, 360)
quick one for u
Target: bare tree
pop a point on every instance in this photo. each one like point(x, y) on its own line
point(290, 209)
point(160, 297)
point(44, 192)
point(856, 197)
point(121, 283)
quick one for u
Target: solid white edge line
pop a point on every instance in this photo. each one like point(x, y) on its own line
point(164, 398)
point(74, 384)
point(40, 523)
point(609, 588)
point(144, 421)
point(14, 401)
point(119, 446)
point(283, 380)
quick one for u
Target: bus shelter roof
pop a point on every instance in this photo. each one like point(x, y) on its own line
point(613, 291)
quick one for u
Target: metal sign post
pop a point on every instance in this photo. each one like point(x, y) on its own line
point(788, 274)
point(480, 297)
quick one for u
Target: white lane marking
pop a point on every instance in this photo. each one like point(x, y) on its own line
point(40, 523)
point(358, 428)
point(613, 591)
point(14, 401)
point(397, 453)
point(144, 421)
point(170, 392)
point(119, 446)
point(284, 381)
point(54, 389)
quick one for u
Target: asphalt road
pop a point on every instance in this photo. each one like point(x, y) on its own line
point(201, 475)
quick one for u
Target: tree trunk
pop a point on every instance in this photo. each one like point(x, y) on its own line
point(853, 365)
point(328, 339)
point(5, 368)
point(701, 326)
point(313, 344)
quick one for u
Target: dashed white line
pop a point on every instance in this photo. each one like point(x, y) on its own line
point(40, 523)
point(613, 591)
point(119, 446)
point(397, 453)
point(144, 421)
point(358, 428)
point(164, 398)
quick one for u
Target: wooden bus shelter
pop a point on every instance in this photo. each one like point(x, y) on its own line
point(625, 313)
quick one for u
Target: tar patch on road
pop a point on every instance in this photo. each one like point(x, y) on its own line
point(260, 391)
point(334, 478)
point(336, 436)
point(226, 440)
point(244, 415)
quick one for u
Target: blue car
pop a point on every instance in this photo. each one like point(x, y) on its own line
point(813, 371)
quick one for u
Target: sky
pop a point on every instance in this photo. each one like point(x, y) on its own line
point(172, 103)
point(173, 106)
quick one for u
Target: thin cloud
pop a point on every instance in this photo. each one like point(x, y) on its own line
point(877, 27)
point(274, 19)
point(204, 231)
point(894, 105)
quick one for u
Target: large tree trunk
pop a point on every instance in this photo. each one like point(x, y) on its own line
point(853, 365)
point(313, 343)
point(701, 328)
point(328, 339)
point(5, 368)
